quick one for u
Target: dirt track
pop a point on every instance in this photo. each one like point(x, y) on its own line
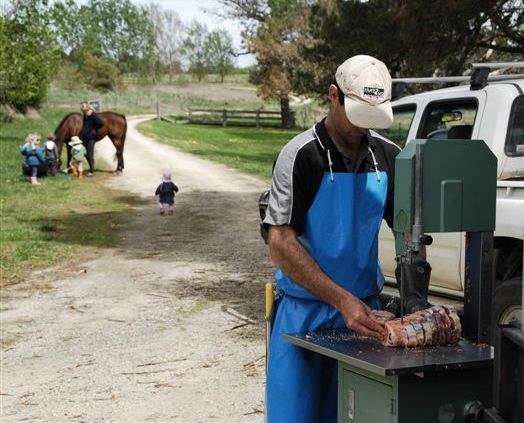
point(167, 326)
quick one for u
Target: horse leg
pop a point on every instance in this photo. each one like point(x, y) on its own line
point(90, 147)
point(119, 145)
point(68, 151)
point(59, 156)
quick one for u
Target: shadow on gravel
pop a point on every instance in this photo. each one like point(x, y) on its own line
point(100, 229)
point(217, 228)
point(132, 200)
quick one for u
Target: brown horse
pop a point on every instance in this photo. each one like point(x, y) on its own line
point(115, 127)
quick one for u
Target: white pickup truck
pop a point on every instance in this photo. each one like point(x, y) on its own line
point(493, 113)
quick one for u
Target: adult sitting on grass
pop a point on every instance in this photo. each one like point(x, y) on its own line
point(91, 123)
point(35, 163)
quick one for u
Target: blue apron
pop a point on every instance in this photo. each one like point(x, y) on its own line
point(341, 234)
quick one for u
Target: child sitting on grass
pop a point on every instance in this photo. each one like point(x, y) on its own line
point(166, 192)
point(34, 157)
point(78, 154)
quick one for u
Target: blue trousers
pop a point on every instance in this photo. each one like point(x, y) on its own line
point(301, 384)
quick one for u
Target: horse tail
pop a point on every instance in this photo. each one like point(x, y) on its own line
point(125, 131)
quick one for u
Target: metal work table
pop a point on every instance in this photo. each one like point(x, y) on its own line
point(399, 385)
point(368, 354)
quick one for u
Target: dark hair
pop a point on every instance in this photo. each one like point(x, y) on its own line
point(340, 93)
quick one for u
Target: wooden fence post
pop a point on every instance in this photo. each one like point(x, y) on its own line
point(258, 119)
point(224, 118)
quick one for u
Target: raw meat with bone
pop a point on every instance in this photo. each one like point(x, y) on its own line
point(438, 325)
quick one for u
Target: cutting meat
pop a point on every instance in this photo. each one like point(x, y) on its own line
point(438, 325)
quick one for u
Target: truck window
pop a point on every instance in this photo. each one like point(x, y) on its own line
point(515, 140)
point(402, 118)
point(449, 120)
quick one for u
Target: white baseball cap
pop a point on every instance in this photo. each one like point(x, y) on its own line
point(366, 84)
point(75, 140)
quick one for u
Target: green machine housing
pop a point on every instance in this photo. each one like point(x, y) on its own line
point(366, 397)
point(459, 182)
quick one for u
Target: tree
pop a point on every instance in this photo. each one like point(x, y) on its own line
point(123, 30)
point(116, 30)
point(442, 40)
point(273, 30)
point(28, 54)
point(68, 28)
point(194, 49)
point(300, 43)
point(219, 52)
point(454, 33)
point(505, 33)
point(167, 29)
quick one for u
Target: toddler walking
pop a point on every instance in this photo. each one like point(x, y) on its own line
point(34, 157)
point(166, 192)
point(78, 154)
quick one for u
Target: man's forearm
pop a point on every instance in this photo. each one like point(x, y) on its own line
point(288, 254)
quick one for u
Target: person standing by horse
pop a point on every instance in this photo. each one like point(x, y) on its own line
point(91, 122)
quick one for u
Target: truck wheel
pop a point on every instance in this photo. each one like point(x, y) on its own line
point(507, 302)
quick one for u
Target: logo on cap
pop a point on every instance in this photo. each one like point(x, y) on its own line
point(373, 92)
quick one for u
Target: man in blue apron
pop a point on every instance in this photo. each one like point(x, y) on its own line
point(332, 186)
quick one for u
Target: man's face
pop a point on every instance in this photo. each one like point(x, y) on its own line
point(341, 121)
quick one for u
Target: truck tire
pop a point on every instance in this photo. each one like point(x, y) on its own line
point(507, 302)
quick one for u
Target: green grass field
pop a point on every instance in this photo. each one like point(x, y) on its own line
point(248, 150)
point(176, 97)
point(46, 224)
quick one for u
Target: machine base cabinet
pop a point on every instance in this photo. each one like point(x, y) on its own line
point(365, 397)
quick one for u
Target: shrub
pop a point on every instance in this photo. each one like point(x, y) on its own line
point(101, 75)
point(68, 76)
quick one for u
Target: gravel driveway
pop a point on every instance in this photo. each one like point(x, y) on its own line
point(167, 326)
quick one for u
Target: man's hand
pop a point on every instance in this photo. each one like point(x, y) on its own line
point(359, 317)
point(295, 261)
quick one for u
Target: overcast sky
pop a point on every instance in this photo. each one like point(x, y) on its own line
point(201, 11)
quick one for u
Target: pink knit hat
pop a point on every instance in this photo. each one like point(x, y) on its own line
point(166, 177)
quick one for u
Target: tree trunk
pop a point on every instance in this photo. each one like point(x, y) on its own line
point(287, 116)
point(200, 72)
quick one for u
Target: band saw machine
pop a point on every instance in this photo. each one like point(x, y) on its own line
point(440, 186)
